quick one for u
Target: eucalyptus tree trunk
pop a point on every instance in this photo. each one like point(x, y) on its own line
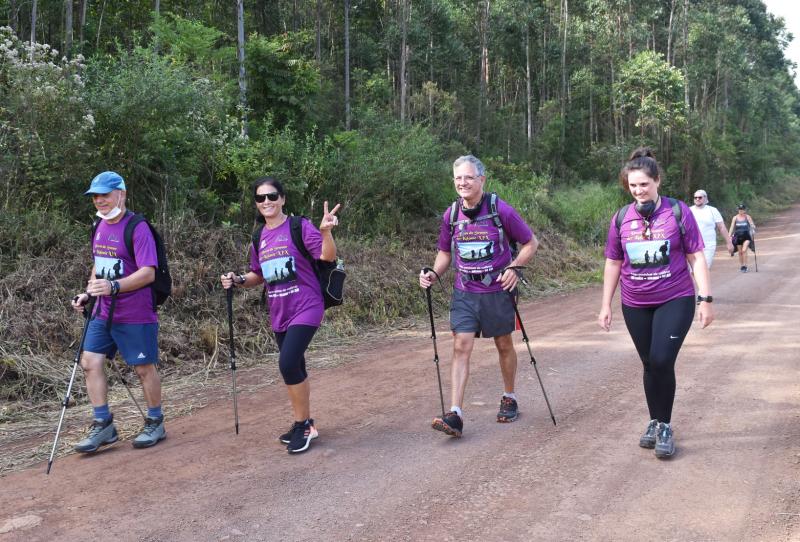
point(529, 119)
point(34, 5)
point(669, 35)
point(318, 30)
point(484, 75)
point(347, 64)
point(240, 54)
point(157, 7)
point(565, 19)
point(404, 9)
point(68, 12)
point(99, 26)
point(82, 23)
point(13, 16)
point(686, 53)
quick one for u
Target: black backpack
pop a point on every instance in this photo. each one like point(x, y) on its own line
point(161, 287)
point(329, 274)
point(493, 215)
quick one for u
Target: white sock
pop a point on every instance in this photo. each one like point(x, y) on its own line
point(510, 395)
point(457, 410)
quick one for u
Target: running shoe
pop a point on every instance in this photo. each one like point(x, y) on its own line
point(301, 437)
point(648, 440)
point(665, 441)
point(508, 410)
point(101, 432)
point(450, 424)
point(152, 433)
point(287, 436)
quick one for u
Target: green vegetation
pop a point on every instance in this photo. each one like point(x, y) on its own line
point(551, 94)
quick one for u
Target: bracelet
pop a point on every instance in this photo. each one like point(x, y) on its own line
point(114, 287)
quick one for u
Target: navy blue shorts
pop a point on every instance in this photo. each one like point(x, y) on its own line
point(137, 343)
point(488, 315)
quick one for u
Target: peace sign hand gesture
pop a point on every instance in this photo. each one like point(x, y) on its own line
point(329, 218)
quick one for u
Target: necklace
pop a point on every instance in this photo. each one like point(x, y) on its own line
point(281, 220)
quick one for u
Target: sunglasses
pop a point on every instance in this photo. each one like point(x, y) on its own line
point(698, 197)
point(272, 196)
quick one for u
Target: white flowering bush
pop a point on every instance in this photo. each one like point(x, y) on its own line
point(45, 125)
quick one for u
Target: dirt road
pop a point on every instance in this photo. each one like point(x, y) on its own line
point(378, 472)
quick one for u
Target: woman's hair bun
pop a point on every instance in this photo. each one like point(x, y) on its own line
point(642, 152)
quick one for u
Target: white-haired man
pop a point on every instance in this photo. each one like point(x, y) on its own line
point(710, 222)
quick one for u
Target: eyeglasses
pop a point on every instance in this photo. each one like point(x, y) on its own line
point(272, 196)
point(647, 234)
point(468, 178)
point(698, 197)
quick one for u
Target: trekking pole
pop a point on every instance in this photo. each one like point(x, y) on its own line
point(87, 314)
point(229, 295)
point(433, 336)
point(125, 383)
point(528, 344)
point(753, 245)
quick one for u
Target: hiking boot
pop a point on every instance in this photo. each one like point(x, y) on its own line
point(450, 424)
point(302, 435)
point(508, 410)
point(287, 436)
point(153, 432)
point(648, 440)
point(101, 432)
point(743, 269)
point(665, 441)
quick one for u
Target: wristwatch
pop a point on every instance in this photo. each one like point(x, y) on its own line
point(706, 298)
point(240, 279)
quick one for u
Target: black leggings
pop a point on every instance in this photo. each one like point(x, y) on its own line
point(292, 344)
point(658, 334)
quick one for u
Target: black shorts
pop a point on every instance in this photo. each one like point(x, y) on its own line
point(488, 315)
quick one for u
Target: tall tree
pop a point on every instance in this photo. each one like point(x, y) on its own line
point(347, 64)
point(34, 7)
point(68, 12)
point(240, 56)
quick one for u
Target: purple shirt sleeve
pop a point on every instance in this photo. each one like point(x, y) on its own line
point(312, 239)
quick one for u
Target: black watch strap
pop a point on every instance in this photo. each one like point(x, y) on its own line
point(706, 298)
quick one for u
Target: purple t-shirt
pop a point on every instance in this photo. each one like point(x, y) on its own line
point(293, 291)
point(112, 262)
point(479, 251)
point(654, 270)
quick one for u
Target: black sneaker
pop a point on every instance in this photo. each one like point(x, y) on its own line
point(287, 436)
point(665, 441)
point(508, 410)
point(648, 440)
point(450, 424)
point(743, 269)
point(301, 437)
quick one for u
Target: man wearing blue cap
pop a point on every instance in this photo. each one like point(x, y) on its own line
point(125, 319)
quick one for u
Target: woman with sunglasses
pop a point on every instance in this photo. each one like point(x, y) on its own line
point(294, 297)
point(741, 231)
point(648, 254)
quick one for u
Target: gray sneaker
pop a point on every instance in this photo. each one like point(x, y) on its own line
point(101, 432)
point(648, 440)
point(665, 441)
point(153, 432)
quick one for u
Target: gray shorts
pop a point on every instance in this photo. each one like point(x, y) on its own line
point(487, 315)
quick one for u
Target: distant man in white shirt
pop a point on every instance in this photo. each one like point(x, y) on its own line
point(710, 222)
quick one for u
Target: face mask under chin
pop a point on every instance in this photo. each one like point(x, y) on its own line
point(112, 214)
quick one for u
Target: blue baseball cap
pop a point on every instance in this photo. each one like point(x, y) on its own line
point(106, 182)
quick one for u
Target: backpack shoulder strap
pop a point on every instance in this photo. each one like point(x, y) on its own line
point(256, 236)
point(619, 217)
point(453, 216)
point(296, 229)
point(495, 216)
point(677, 213)
point(129, 227)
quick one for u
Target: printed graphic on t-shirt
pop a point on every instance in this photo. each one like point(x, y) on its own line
point(108, 268)
point(279, 270)
point(476, 251)
point(649, 255)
